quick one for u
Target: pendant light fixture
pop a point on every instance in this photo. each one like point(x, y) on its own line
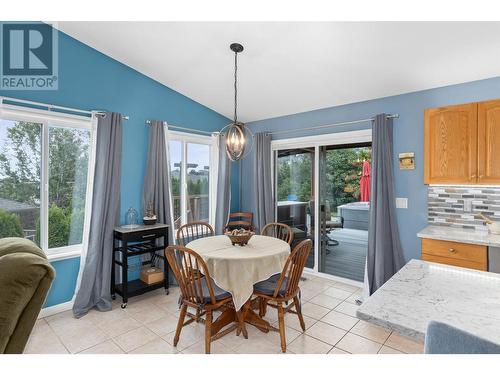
point(236, 137)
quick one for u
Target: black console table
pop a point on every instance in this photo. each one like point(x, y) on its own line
point(130, 242)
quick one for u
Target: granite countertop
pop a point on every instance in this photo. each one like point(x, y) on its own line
point(437, 232)
point(139, 227)
point(423, 291)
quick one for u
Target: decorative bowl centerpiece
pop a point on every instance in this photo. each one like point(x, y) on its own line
point(149, 215)
point(239, 236)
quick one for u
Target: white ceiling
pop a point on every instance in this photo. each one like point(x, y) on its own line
point(288, 68)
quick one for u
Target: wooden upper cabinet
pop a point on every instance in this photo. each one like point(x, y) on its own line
point(488, 141)
point(450, 144)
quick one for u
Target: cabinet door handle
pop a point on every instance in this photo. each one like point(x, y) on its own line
point(481, 176)
point(472, 176)
point(148, 235)
point(452, 250)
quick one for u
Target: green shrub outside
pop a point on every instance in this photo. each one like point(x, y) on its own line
point(61, 232)
point(10, 225)
point(76, 226)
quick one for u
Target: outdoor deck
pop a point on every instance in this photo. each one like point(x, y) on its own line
point(347, 259)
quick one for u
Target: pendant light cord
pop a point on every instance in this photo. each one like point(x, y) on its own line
point(235, 88)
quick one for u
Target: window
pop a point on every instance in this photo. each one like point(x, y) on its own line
point(191, 177)
point(68, 167)
point(44, 161)
point(20, 177)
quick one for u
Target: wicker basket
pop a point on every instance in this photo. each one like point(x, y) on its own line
point(240, 239)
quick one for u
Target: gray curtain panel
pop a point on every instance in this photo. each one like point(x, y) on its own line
point(223, 203)
point(96, 275)
point(264, 200)
point(156, 188)
point(385, 256)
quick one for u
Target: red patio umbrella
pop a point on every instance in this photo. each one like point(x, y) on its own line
point(364, 182)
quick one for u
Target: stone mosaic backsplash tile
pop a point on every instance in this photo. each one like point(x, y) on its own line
point(446, 206)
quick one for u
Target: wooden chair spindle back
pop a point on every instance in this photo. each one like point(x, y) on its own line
point(193, 231)
point(278, 230)
point(292, 271)
point(237, 220)
point(187, 266)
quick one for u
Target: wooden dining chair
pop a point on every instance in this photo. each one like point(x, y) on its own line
point(193, 231)
point(283, 288)
point(201, 294)
point(238, 220)
point(278, 230)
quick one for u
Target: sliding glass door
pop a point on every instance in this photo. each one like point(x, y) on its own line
point(295, 193)
point(322, 192)
point(344, 208)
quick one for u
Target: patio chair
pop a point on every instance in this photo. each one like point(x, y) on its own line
point(331, 223)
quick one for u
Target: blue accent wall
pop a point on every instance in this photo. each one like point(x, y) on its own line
point(408, 136)
point(88, 80)
point(63, 288)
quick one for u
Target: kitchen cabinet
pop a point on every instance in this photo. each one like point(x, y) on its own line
point(460, 143)
point(488, 142)
point(450, 144)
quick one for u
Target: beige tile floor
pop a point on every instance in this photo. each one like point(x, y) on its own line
point(148, 323)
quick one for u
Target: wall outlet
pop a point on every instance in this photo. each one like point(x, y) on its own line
point(401, 202)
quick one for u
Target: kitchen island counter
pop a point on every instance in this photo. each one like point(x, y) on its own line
point(423, 291)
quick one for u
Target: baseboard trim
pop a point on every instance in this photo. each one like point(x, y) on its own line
point(56, 309)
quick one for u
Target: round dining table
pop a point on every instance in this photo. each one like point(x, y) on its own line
point(237, 268)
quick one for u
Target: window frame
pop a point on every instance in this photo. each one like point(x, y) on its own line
point(47, 119)
point(211, 141)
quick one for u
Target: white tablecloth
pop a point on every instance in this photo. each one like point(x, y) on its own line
point(237, 268)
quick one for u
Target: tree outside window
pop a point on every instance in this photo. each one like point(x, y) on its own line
point(20, 181)
point(341, 184)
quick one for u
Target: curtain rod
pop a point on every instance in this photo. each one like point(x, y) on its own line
point(52, 106)
point(329, 125)
point(103, 114)
point(183, 128)
point(396, 115)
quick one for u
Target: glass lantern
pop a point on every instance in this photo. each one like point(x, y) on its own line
point(131, 218)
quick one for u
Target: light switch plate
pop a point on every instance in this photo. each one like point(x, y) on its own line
point(401, 202)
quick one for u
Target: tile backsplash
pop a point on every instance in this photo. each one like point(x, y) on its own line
point(446, 206)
